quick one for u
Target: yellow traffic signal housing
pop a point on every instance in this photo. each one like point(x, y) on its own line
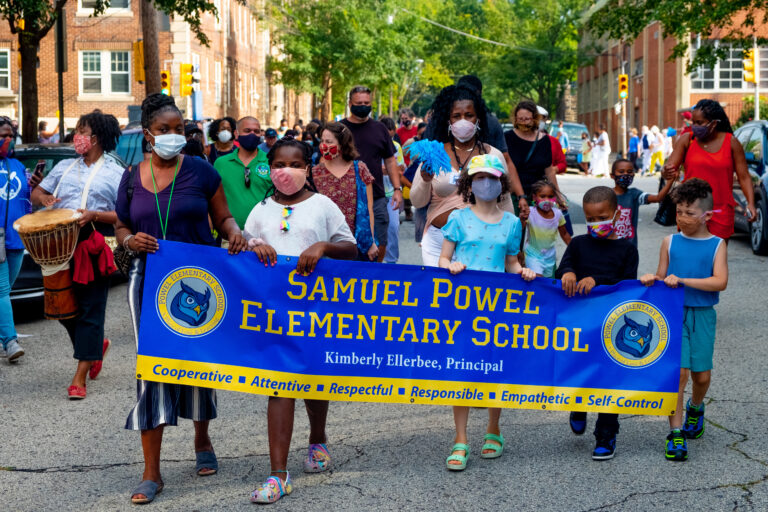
point(165, 82)
point(623, 86)
point(186, 79)
point(751, 67)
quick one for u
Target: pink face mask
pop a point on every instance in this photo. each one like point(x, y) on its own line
point(288, 180)
point(82, 143)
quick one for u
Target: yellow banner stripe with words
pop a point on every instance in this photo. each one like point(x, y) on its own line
point(392, 390)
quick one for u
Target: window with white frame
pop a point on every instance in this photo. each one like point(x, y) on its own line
point(105, 73)
point(217, 81)
point(727, 74)
point(219, 14)
point(5, 68)
point(114, 5)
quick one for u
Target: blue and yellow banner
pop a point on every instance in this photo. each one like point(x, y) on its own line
point(368, 332)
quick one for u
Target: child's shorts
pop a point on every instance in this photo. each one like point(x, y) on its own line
point(698, 338)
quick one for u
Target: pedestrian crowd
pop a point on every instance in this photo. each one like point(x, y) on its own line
point(337, 190)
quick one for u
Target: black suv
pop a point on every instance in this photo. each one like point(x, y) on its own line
point(29, 283)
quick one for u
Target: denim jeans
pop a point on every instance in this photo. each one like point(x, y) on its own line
point(9, 270)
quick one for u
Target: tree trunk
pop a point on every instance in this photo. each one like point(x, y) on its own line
point(151, 49)
point(327, 106)
point(28, 49)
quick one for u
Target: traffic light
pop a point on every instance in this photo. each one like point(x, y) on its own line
point(623, 86)
point(751, 66)
point(165, 82)
point(186, 79)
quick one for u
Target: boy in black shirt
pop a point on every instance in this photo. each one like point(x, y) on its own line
point(598, 258)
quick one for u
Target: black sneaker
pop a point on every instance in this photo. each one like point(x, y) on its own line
point(578, 422)
point(693, 427)
point(605, 448)
point(677, 448)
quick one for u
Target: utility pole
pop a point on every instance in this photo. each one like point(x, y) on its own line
point(61, 65)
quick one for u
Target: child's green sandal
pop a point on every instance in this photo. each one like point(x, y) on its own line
point(497, 448)
point(461, 459)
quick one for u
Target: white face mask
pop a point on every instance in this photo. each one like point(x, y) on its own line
point(168, 145)
point(225, 136)
point(463, 130)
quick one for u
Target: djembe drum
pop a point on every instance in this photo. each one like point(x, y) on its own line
point(50, 237)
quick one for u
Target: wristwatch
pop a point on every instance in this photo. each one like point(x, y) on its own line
point(398, 188)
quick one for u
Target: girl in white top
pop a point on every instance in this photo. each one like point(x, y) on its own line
point(461, 123)
point(295, 222)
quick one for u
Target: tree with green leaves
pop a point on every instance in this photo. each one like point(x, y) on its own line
point(32, 20)
point(734, 21)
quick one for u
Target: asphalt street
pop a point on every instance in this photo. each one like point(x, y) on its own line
point(61, 455)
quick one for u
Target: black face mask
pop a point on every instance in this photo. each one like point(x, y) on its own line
point(249, 142)
point(406, 122)
point(360, 110)
point(193, 148)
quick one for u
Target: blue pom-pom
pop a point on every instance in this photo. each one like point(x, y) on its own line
point(431, 153)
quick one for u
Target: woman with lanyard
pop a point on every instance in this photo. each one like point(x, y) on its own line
point(460, 120)
point(712, 153)
point(14, 203)
point(170, 197)
point(222, 133)
point(346, 181)
point(529, 149)
point(87, 184)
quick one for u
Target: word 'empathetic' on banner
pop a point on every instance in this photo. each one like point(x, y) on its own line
point(358, 331)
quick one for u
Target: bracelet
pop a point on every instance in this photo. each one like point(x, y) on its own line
point(398, 188)
point(125, 242)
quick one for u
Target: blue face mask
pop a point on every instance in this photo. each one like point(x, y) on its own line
point(486, 189)
point(168, 145)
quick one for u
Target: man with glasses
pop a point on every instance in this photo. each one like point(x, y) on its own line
point(245, 172)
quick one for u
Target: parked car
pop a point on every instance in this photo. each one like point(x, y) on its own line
point(573, 131)
point(753, 137)
point(29, 283)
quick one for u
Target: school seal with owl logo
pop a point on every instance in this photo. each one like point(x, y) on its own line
point(635, 334)
point(191, 301)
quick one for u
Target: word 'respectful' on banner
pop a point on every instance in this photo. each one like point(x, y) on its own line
point(358, 331)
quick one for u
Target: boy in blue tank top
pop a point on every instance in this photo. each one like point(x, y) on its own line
point(696, 259)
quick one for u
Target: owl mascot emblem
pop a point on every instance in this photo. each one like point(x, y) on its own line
point(634, 338)
point(191, 306)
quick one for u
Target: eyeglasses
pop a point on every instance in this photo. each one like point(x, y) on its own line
point(287, 211)
point(247, 175)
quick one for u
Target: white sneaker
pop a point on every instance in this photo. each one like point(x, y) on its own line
point(13, 351)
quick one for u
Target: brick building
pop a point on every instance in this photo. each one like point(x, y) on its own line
point(659, 89)
point(101, 66)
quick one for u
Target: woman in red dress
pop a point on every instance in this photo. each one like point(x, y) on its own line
point(712, 153)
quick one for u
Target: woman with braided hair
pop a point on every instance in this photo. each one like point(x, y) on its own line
point(712, 153)
point(87, 184)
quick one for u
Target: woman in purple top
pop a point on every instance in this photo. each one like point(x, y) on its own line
point(169, 197)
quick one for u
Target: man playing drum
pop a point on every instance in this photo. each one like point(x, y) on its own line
point(89, 185)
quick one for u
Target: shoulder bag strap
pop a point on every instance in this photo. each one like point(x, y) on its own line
point(7, 191)
point(61, 180)
point(530, 151)
point(96, 168)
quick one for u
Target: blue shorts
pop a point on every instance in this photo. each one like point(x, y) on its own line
point(698, 338)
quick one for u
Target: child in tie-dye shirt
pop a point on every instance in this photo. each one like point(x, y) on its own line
point(544, 222)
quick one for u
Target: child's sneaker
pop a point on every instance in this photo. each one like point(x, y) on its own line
point(605, 447)
point(693, 427)
point(318, 459)
point(677, 448)
point(578, 422)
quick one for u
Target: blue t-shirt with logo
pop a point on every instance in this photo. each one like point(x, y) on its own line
point(14, 196)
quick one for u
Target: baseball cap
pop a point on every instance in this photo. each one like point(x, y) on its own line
point(542, 111)
point(271, 132)
point(486, 163)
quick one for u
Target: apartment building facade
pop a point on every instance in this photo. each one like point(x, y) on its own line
point(101, 66)
point(659, 89)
